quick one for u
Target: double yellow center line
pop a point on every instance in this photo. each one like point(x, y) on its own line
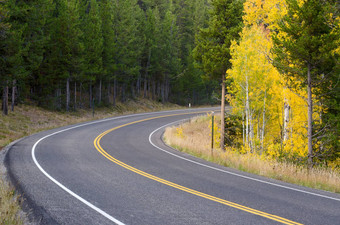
point(177, 186)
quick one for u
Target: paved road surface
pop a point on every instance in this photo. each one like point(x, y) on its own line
point(119, 171)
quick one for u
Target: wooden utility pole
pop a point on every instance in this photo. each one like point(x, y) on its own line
point(222, 112)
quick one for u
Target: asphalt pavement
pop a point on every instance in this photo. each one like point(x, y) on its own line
point(118, 171)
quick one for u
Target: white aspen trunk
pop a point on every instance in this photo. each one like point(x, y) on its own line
point(258, 128)
point(13, 94)
point(222, 112)
point(251, 131)
point(67, 94)
point(243, 127)
point(286, 109)
point(263, 120)
point(310, 117)
point(247, 113)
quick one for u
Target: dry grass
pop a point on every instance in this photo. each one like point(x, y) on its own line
point(194, 138)
point(9, 205)
point(26, 120)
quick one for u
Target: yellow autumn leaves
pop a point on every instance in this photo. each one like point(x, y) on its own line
point(274, 117)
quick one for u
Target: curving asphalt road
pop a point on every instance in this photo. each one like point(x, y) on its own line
point(118, 171)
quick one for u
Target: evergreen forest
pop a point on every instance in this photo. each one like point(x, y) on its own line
point(66, 54)
point(276, 63)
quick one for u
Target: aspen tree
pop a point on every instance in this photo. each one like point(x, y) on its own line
point(305, 52)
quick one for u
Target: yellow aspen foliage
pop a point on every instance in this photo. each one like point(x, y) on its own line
point(256, 81)
point(268, 13)
point(274, 117)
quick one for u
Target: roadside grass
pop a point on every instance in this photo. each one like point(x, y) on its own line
point(194, 138)
point(27, 120)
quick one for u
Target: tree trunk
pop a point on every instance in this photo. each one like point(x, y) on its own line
point(58, 98)
point(67, 94)
point(247, 113)
point(286, 109)
point(263, 120)
point(100, 91)
point(251, 131)
point(123, 92)
point(158, 89)
point(80, 92)
point(167, 89)
point(75, 96)
point(222, 112)
point(145, 87)
point(13, 94)
point(90, 94)
point(146, 74)
point(162, 93)
point(132, 86)
point(114, 91)
point(310, 117)
point(243, 129)
point(5, 100)
point(108, 92)
point(138, 84)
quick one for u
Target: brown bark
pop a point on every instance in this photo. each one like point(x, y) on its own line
point(153, 90)
point(114, 91)
point(310, 117)
point(13, 94)
point(5, 100)
point(222, 113)
point(67, 94)
point(90, 95)
point(163, 92)
point(75, 96)
point(80, 94)
point(108, 92)
point(100, 91)
point(146, 74)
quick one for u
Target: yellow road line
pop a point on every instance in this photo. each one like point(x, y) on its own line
point(177, 186)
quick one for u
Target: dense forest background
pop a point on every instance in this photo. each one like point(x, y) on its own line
point(277, 60)
point(64, 54)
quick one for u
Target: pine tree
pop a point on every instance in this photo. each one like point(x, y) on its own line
point(93, 44)
point(129, 44)
point(12, 48)
point(66, 47)
point(213, 44)
point(38, 17)
point(109, 45)
point(305, 49)
point(4, 33)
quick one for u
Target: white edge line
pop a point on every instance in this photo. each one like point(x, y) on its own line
point(81, 125)
point(231, 173)
point(61, 185)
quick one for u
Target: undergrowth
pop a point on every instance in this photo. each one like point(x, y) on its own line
point(194, 138)
point(27, 120)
